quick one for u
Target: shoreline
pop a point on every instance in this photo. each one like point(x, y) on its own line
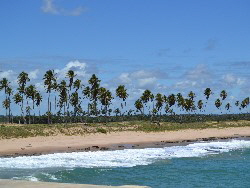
point(6, 183)
point(115, 141)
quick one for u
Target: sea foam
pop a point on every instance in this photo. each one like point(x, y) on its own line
point(122, 158)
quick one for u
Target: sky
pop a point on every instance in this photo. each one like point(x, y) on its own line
point(162, 45)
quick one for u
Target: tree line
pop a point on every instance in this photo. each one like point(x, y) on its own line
point(65, 100)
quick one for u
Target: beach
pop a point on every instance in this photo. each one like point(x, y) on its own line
point(28, 184)
point(113, 141)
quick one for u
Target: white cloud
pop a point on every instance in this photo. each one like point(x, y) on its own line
point(146, 83)
point(125, 78)
point(33, 74)
point(142, 79)
point(7, 74)
point(80, 69)
point(199, 77)
point(231, 79)
point(50, 8)
point(185, 84)
point(200, 72)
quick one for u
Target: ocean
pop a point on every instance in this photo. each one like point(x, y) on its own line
point(200, 164)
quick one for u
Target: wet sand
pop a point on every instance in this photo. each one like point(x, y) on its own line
point(28, 184)
point(113, 141)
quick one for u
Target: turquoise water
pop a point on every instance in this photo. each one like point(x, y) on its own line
point(206, 164)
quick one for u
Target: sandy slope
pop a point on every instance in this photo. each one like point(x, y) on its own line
point(115, 140)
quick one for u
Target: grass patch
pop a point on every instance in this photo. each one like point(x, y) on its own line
point(101, 130)
point(23, 131)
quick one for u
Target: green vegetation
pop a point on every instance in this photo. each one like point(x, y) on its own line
point(31, 130)
point(69, 101)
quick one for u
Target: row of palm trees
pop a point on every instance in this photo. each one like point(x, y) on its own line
point(68, 96)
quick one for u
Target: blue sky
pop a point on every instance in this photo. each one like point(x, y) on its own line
point(166, 46)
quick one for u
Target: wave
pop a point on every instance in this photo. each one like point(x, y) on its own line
point(121, 158)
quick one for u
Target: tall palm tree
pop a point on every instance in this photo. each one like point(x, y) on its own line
point(71, 75)
point(207, 93)
point(77, 84)
point(23, 78)
point(30, 92)
point(159, 102)
point(9, 93)
point(75, 101)
point(87, 93)
point(139, 105)
point(4, 84)
point(189, 104)
point(121, 92)
point(6, 105)
point(94, 91)
point(50, 84)
point(245, 103)
point(18, 99)
point(63, 94)
point(227, 106)
point(191, 95)
point(105, 98)
point(218, 103)
point(223, 94)
point(171, 100)
point(200, 104)
point(180, 100)
point(38, 99)
point(146, 97)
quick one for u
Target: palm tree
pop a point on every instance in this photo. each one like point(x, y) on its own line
point(4, 85)
point(50, 84)
point(30, 92)
point(207, 93)
point(63, 96)
point(223, 94)
point(121, 92)
point(146, 97)
point(200, 104)
point(94, 91)
point(71, 75)
point(139, 105)
point(9, 93)
point(228, 106)
point(245, 103)
point(180, 100)
point(218, 103)
point(189, 105)
point(191, 95)
point(23, 78)
point(75, 101)
point(87, 93)
point(171, 100)
point(18, 99)
point(38, 99)
point(159, 102)
point(6, 105)
point(105, 97)
point(77, 84)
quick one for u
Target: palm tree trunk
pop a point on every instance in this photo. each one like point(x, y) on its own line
point(49, 109)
